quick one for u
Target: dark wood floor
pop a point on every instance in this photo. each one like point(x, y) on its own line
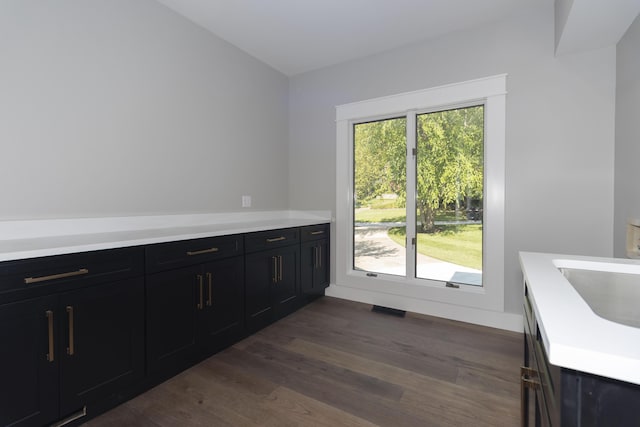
point(336, 363)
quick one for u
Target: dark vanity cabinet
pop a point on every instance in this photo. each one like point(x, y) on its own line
point(556, 396)
point(314, 263)
point(72, 333)
point(195, 300)
point(272, 266)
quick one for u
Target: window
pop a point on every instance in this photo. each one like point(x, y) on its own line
point(422, 214)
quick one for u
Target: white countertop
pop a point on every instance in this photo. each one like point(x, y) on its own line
point(37, 238)
point(573, 335)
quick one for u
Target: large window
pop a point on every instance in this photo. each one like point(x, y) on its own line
point(446, 149)
point(423, 212)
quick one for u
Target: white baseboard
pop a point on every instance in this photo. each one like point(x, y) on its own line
point(493, 319)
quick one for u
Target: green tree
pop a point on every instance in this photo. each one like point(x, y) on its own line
point(379, 155)
point(450, 159)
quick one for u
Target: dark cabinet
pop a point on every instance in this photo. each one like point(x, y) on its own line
point(557, 396)
point(80, 331)
point(221, 317)
point(102, 342)
point(272, 266)
point(29, 363)
point(314, 260)
point(194, 300)
point(63, 352)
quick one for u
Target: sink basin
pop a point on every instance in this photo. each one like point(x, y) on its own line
point(612, 295)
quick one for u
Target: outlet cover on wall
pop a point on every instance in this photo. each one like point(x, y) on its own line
point(246, 201)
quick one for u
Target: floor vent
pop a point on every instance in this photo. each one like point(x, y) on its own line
point(387, 310)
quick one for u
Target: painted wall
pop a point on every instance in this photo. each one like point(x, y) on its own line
point(627, 151)
point(562, 10)
point(118, 107)
point(560, 129)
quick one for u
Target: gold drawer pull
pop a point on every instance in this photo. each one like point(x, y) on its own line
point(315, 233)
point(276, 239)
point(29, 280)
point(50, 355)
point(71, 348)
point(204, 251)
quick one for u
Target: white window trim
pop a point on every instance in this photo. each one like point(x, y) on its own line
point(393, 290)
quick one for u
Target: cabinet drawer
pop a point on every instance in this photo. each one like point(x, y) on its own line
point(314, 232)
point(263, 240)
point(60, 272)
point(166, 256)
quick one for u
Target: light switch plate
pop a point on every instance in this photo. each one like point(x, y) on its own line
point(246, 201)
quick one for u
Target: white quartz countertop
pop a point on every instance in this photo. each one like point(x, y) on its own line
point(574, 336)
point(37, 238)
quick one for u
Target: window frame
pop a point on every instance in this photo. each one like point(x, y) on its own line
point(490, 92)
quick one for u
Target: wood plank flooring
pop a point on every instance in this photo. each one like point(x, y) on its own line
point(337, 363)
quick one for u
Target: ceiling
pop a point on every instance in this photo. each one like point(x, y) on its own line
point(295, 36)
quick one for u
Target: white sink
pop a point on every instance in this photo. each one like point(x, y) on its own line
point(612, 295)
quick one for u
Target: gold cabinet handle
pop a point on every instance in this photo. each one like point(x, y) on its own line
point(200, 300)
point(50, 355)
point(71, 347)
point(280, 269)
point(315, 257)
point(210, 298)
point(204, 251)
point(276, 239)
point(30, 280)
point(315, 233)
point(527, 380)
point(274, 278)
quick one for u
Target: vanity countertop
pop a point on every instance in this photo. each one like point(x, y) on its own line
point(574, 336)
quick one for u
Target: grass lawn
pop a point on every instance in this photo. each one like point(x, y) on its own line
point(458, 244)
point(381, 215)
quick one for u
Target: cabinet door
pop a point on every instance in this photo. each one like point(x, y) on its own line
point(29, 362)
point(173, 298)
point(314, 267)
point(285, 289)
point(222, 317)
point(102, 342)
point(260, 273)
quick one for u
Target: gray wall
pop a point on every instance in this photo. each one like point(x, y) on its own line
point(627, 152)
point(560, 129)
point(117, 107)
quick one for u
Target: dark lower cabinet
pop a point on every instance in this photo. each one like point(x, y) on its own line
point(272, 279)
point(193, 312)
point(314, 262)
point(272, 268)
point(171, 300)
point(559, 397)
point(28, 363)
point(221, 319)
point(196, 310)
point(83, 332)
point(102, 334)
point(62, 353)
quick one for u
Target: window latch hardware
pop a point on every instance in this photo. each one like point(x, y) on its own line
point(372, 275)
point(452, 285)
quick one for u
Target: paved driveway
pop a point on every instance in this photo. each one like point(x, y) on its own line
point(375, 251)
